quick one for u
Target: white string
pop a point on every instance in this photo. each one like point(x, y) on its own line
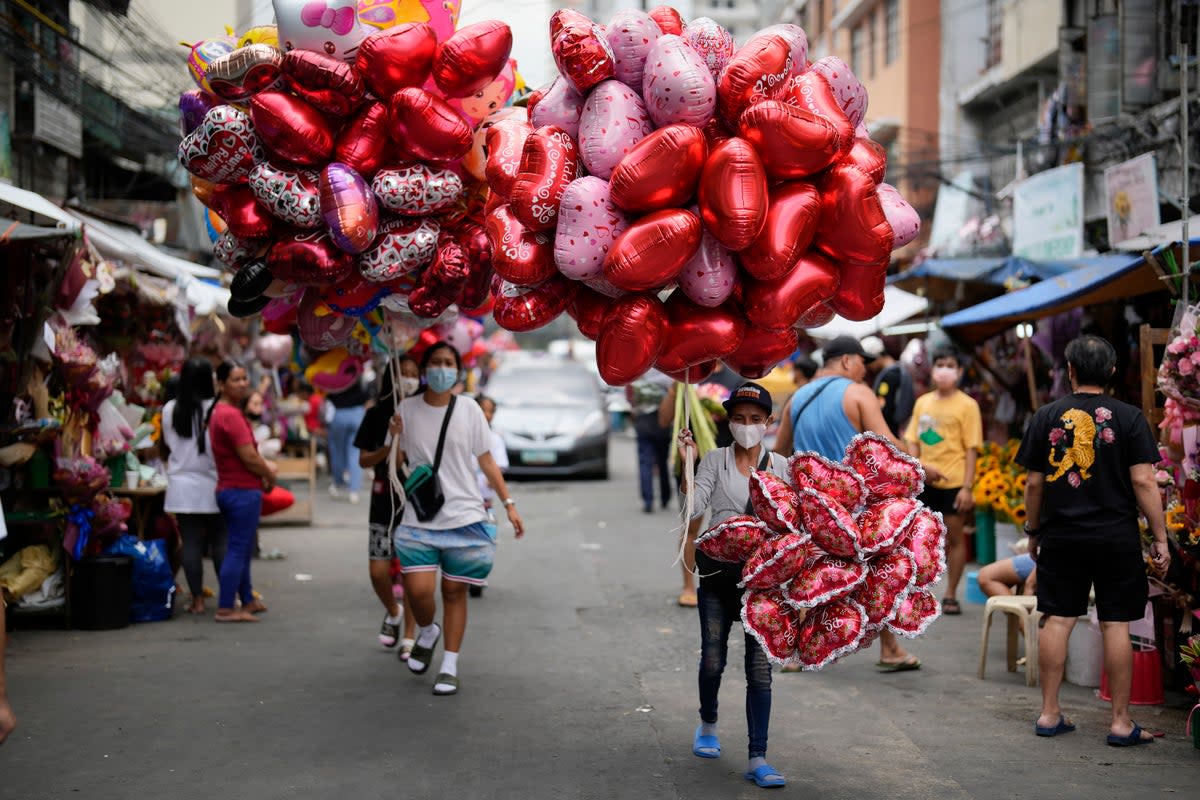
point(689, 478)
point(394, 479)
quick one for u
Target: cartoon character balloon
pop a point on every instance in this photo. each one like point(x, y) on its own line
point(326, 26)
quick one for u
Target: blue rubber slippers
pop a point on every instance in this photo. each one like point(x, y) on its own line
point(1132, 740)
point(766, 777)
point(705, 746)
point(1054, 730)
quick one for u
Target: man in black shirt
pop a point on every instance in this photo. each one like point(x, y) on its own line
point(1090, 460)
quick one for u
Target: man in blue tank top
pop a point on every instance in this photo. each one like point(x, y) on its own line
point(823, 416)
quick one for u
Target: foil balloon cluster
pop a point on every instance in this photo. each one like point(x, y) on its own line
point(337, 152)
point(664, 158)
point(835, 554)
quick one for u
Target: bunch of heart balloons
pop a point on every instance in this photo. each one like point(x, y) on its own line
point(339, 150)
point(835, 555)
point(663, 158)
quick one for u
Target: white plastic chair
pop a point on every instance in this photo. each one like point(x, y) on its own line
point(1021, 611)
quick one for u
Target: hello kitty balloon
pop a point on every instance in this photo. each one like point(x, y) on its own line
point(330, 27)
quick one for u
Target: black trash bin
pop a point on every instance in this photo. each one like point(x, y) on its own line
point(102, 593)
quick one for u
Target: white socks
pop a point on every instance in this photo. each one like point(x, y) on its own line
point(428, 634)
point(396, 620)
point(708, 728)
point(449, 663)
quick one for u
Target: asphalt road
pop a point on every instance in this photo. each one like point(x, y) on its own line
point(578, 681)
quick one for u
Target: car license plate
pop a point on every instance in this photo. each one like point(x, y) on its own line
point(538, 457)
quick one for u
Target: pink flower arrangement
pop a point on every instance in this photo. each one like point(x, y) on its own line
point(80, 479)
point(1179, 373)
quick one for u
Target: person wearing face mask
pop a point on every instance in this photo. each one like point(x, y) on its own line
point(458, 539)
point(722, 486)
point(374, 443)
point(946, 432)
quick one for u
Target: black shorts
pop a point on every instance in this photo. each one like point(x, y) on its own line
point(940, 500)
point(1069, 566)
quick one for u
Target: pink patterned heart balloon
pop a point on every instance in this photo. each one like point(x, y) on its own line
point(769, 620)
point(734, 540)
point(588, 224)
point(709, 276)
point(402, 248)
point(918, 611)
point(775, 502)
point(823, 580)
point(418, 190)
point(712, 42)
point(926, 540)
point(293, 197)
point(904, 219)
point(831, 526)
point(775, 562)
point(884, 523)
point(848, 89)
point(834, 480)
point(830, 632)
point(887, 471)
point(222, 148)
point(889, 579)
point(614, 120)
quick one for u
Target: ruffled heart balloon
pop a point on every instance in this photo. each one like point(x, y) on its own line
point(772, 623)
point(775, 502)
point(829, 633)
point(735, 540)
point(775, 562)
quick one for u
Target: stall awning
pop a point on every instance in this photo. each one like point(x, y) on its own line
point(1101, 279)
point(995, 271)
point(11, 230)
point(1166, 233)
point(32, 203)
point(898, 306)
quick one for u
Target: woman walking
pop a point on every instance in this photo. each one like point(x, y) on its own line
point(192, 475)
point(348, 411)
point(456, 538)
point(242, 475)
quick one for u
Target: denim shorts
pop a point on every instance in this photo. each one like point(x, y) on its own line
point(464, 554)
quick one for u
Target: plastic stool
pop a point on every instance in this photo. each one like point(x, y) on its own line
point(1020, 610)
point(1147, 684)
point(974, 593)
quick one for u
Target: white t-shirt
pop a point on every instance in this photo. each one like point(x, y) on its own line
point(500, 455)
point(467, 438)
point(191, 476)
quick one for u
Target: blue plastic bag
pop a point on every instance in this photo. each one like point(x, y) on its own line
point(153, 583)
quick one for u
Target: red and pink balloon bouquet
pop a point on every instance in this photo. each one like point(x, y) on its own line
point(663, 158)
point(836, 554)
point(340, 156)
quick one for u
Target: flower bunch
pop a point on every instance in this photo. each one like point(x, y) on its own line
point(712, 398)
point(1000, 481)
point(1179, 373)
point(80, 479)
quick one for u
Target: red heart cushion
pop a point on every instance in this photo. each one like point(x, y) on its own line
point(916, 614)
point(734, 540)
point(887, 471)
point(829, 523)
point(775, 502)
point(814, 471)
point(889, 579)
point(884, 523)
point(776, 562)
point(830, 632)
point(926, 539)
point(822, 580)
point(772, 623)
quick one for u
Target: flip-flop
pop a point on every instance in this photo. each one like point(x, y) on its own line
point(907, 665)
point(445, 680)
point(1132, 740)
point(951, 607)
point(422, 654)
point(687, 599)
point(705, 746)
point(1062, 727)
point(766, 777)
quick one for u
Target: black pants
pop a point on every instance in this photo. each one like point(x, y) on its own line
point(201, 532)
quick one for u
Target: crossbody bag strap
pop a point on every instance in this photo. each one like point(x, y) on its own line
point(761, 466)
point(437, 458)
point(808, 402)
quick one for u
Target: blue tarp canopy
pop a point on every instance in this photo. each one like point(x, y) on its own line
point(997, 271)
point(1099, 279)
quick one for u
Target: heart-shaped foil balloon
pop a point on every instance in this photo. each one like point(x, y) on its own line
point(232, 251)
point(526, 309)
point(887, 471)
point(772, 622)
point(830, 632)
point(402, 248)
point(588, 224)
point(926, 540)
point(829, 523)
point(834, 480)
point(223, 148)
point(775, 502)
point(823, 580)
point(417, 191)
point(884, 523)
point(775, 562)
point(309, 258)
point(735, 540)
point(889, 579)
point(293, 197)
point(918, 611)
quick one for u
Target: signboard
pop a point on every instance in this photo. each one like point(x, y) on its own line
point(1048, 214)
point(57, 124)
point(1131, 197)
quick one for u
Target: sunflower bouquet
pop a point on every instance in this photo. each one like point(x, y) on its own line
point(1000, 481)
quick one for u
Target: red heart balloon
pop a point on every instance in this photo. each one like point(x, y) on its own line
point(820, 314)
point(887, 471)
point(583, 55)
point(830, 632)
point(326, 83)
point(364, 144)
point(831, 478)
point(588, 309)
point(758, 71)
point(668, 19)
point(473, 239)
point(862, 235)
point(519, 255)
point(734, 540)
point(884, 523)
point(293, 197)
point(526, 309)
point(775, 562)
point(772, 623)
point(245, 217)
point(889, 579)
point(245, 72)
point(222, 148)
point(792, 141)
point(869, 156)
point(916, 613)
point(774, 502)
point(630, 338)
point(402, 248)
point(309, 258)
point(472, 58)
point(354, 296)
point(926, 540)
point(811, 91)
point(549, 161)
point(778, 304)
point(505, 143)
point(830, 524)
point(661, 171)
point(427, 126)
point(860, 295)
point(733, 194)
point(396, 58)
point(441, 284)
point(652, 250)
point(792, 219)
point(697, 334)
point(697, 374)
point(823, 580)
point(564, 18)
point(290, 129)
point(761, 351)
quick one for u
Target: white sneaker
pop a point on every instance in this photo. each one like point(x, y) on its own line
point(354, 498)
point(334, 491)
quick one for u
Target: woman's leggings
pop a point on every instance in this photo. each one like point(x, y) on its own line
point(199, 531)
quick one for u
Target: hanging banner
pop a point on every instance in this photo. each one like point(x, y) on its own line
point(1048, 215)
point(1131, 196)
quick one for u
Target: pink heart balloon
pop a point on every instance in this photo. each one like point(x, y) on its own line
point(588, 225)
point(902, 217)
point(677, 86)
point(770, 621)
point(823, 580)
point(709, 275)
point(631, 34)
point(830, 632)
point(734, 540)
point(775, 503)
point(614, 119)
point(916, 613)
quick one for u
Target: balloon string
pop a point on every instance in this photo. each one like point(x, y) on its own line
point(689, 476)
point(394, 480)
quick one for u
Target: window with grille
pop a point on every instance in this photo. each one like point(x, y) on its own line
point(891, 22)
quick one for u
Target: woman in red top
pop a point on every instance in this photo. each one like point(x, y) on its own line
point(242, 474)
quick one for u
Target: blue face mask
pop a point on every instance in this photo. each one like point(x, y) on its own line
point(441, 379)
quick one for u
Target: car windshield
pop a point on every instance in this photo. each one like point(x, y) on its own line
point(543, 385)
